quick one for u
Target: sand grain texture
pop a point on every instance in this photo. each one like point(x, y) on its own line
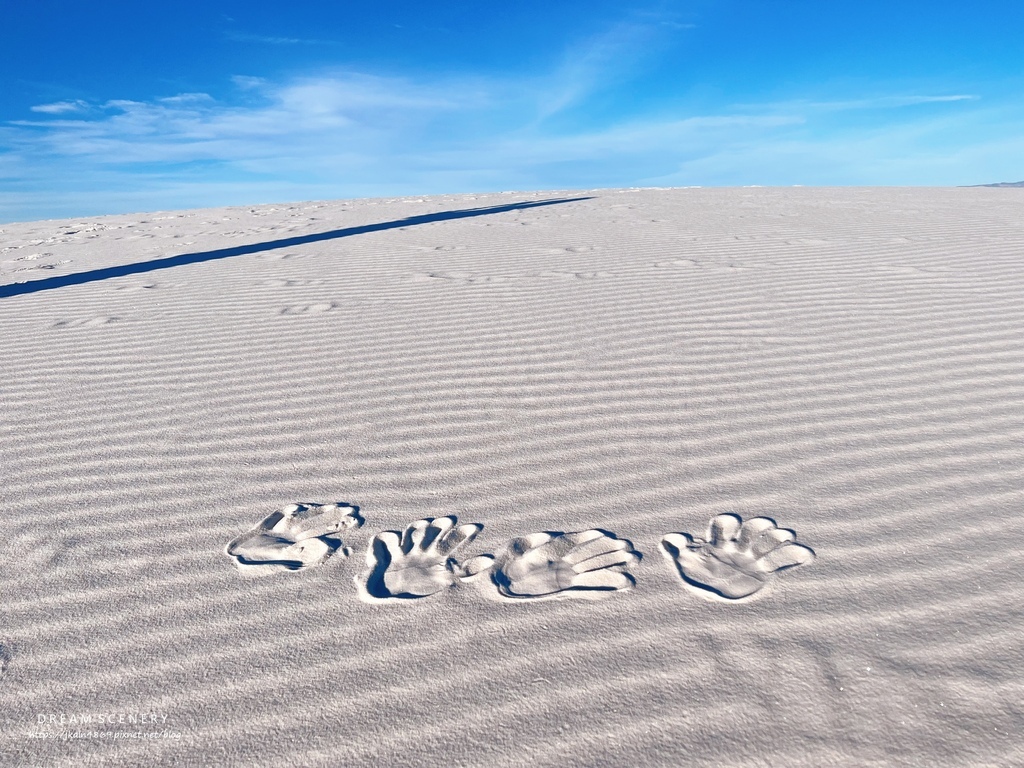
point(849, 363)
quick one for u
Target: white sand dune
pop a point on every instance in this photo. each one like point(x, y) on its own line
point(611, 365)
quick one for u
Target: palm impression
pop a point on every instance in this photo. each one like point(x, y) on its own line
point(420, 561)
point(737, 559)
point(296, 537)
point(548, 565)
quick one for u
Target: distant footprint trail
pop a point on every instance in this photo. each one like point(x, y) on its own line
point(737, 559)
point(556, 565)
point(296, 537)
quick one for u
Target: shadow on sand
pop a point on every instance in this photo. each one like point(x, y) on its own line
point(80, 278)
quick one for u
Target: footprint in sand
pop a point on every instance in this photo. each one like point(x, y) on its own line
point(52, 265)
point(34, 550)
point(86, 322)
point(678, 263)
point(573, 275)
point(5, 658)
point(575, 249)
point(309, 309)
point(737, 559)
point(290, 282)
point(587, 564)
point(296, 537)
point(420, 562)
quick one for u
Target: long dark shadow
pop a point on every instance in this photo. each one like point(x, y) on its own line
point(80, 278)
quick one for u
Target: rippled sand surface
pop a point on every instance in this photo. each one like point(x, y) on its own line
point(484, 480)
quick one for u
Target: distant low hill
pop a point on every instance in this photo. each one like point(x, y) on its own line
point(1000, 184)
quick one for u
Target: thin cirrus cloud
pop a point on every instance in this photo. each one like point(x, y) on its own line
point(61, 107)
point(600, 62)
point(249, 37)
point(892, 101)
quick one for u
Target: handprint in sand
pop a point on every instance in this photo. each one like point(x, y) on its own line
point(420, 561)
point(737, 559)
point(549, 565)
point(296, 537)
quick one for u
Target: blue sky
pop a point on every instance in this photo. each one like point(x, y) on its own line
point(116, 106)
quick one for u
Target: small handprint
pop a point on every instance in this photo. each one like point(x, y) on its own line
point(296, 537)
point(738, 558)
point(548, 565)
point(419, 562)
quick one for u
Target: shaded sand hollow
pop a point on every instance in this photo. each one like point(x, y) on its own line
point(208, 418)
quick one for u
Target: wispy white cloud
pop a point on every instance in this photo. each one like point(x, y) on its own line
point(61, 107)
point(184, 98)
point(890, 101)
point(596, 63)
point(248, 37)
point(249, 82)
